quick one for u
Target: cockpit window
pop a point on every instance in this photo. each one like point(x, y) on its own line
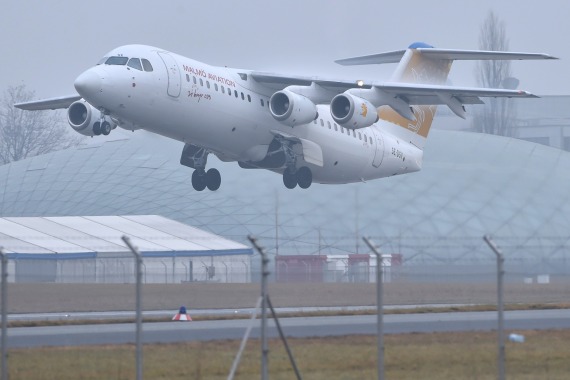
point(135, 63)
point(102, 60)
point(116, 61)
point(146, 64)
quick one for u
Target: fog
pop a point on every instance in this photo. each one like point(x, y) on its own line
point(47, 44)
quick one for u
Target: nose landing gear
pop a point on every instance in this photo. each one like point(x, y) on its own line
point(103, 127)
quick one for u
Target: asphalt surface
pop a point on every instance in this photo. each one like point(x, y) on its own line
point(169, 332)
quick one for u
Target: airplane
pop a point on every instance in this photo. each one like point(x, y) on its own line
point(308, 129)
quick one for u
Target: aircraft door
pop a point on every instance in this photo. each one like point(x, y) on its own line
point(378, 149)
point(174, 80)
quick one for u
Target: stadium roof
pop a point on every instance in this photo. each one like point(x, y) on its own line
point(471, 185)
point(87, 236)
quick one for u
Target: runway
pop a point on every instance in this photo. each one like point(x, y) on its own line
point(169, 332)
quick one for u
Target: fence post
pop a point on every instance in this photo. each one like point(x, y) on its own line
point(4, 364)
point(500, 308)
point(379, 306)
point(138, 262)
point(264, 274)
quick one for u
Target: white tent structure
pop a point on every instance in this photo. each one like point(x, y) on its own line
point(90, 249)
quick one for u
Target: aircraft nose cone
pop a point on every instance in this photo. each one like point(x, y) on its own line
point(88, 83)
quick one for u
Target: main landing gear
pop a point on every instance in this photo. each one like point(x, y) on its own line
point(202, 179)
point(196, 157)
point(302, 177)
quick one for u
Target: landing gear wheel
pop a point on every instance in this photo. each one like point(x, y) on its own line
point(289, 179)
point(213, 179)
point(106, 128)
point(97, 128)
point(199, 179)
point(304, 177)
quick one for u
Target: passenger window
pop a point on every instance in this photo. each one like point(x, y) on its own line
point(229, 92)
point(146, 65)
point(322, 123)
point(242, 96)
point(329, 124)
point(194, 80)
point(120, 61)
point(261, 100)
point(187, 78)
point(235, 93)
point(249, 98)
point(335, 127)
point(359, 136)
point(223, 90)
point(365, 139)
point(216, 86)
point(208, 84)
point(135, 63)
point(201, 82)
point(353, 133)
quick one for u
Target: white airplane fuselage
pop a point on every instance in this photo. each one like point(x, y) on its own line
point(226, 111)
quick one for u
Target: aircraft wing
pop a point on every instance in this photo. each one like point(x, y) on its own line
point(425, 94)
point(284, 81)
point(48, 104)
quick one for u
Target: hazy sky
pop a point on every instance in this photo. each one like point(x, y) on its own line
point(48, 43)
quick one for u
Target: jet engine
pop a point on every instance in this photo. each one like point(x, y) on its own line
point(84, 119)
point(292, 109)
point(352, 111)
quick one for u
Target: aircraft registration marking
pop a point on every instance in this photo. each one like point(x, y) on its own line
point(398, 153)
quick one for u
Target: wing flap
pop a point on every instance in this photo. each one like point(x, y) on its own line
point(48, 104)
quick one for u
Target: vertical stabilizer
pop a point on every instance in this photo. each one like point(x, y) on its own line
point(415, 67)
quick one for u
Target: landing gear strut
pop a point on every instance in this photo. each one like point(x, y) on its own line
point(302, 177)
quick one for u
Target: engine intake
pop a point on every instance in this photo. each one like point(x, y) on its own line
point(84, 119)
point(352, 111)
point(292, 109)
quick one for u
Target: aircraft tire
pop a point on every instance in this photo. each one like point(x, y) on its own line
point(199, 180)
point(289, 179)
point(106, 128)
point(304, 177)
point(213, 179)
point(97, 128)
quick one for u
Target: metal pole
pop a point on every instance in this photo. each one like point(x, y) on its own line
point(284, 339)
point(244, 341)
point(4, 314)
point(138, 262)
point(379, 306)
point(500, 307)
point(264, 274)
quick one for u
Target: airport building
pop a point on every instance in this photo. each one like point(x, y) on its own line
point(471, 185)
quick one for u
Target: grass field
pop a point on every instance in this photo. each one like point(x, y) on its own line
point(469, 355)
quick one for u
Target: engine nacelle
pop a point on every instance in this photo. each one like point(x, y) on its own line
point(352, 111)
point(85, 119)
point(82, 116)
point(292, 109)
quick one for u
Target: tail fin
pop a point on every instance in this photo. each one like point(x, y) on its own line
point(423, 64)
point(415, 67)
